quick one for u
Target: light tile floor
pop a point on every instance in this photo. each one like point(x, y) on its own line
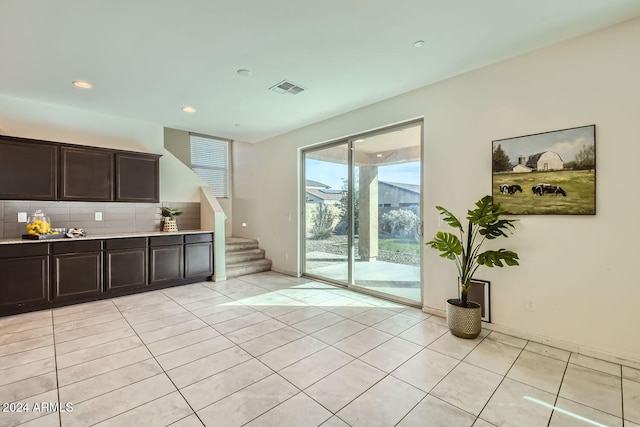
point(272, 350)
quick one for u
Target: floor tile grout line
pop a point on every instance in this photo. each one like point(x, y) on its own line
point(179, 335)
point(101, 357)
point(135, 407)
point(63, 339)
point(55, 364)
point(95, 345)
point(622, 396)
point(22, 331)
point(94, 316)
point(448, 373)
point(164, 372)
point(170, 326)
point(83, 327)
point(24, 351)
point(501, 380)
point(487, 337)
point(45, 334)
point(163, 318)
point(555, 402)
point(102, 373)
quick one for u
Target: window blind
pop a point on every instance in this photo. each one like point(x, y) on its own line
point(210, 160)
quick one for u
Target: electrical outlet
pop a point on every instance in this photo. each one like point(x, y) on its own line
point(98, 216)
point(22, 217)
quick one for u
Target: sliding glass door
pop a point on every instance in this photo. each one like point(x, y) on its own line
point(326, 223)
point(362, 212)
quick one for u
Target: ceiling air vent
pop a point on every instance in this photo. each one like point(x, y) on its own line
point(287, 87)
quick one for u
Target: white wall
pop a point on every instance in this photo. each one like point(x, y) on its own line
point(579, 271)
point(49, 122)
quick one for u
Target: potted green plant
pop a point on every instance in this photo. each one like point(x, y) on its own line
point(169, 221)
point(484, 223)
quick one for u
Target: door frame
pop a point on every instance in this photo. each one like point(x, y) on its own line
point(349, 141)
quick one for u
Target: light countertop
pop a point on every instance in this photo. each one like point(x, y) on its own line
point(104, 236)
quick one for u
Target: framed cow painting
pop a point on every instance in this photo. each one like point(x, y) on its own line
point(546, 173)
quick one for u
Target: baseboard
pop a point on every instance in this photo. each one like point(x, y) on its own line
point(551, 342)
point(285, 272)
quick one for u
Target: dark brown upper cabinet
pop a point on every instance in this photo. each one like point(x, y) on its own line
point(137, 177)
point(28, 170)
point(86, 174)
point(42, 170)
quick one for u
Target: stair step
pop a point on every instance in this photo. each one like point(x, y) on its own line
point(236, 244)
point(249, 267)
point(235, 257)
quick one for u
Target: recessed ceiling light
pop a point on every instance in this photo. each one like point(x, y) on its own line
point(419, 43)
point(244, 73)
point(378, 155)
point(359, 140)
point(188, 109)
point(82, 84)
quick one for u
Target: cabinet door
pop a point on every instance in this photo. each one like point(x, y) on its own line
point(137, 177)
point(198, 259)
point(166, 264)
point(77, 274)
point(24, 281)
point(86, 174)
point(125, 268)
point(28, 170)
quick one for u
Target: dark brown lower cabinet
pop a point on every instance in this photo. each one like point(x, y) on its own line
point(125, 263)
point(198, 255)
point(40, 275)
point(24, 275)
point(24, 281)
point(166, 259)
point(77, 269)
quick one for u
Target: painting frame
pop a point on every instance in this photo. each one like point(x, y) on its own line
point(547, 173)
point(481, 290)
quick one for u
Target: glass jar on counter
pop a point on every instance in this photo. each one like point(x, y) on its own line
point(38, 224)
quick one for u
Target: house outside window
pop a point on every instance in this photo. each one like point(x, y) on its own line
point(210, 160)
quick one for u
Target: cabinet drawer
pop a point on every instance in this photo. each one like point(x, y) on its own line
point(20, 250)
point(77, 246)
point(198, 238)
point(129, 243)
point(166, 240)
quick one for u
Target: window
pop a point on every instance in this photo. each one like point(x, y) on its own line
point(210, 160)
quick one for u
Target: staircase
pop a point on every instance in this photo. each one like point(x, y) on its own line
point(244, 257)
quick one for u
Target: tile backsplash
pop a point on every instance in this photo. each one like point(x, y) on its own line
point(116, 217)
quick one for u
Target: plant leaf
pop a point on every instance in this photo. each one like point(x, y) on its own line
point(449, 218)
point(496, 258)
point(487, 216)
point(448, 244)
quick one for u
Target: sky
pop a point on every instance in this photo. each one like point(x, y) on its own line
point(332, 174)
point(567, 143)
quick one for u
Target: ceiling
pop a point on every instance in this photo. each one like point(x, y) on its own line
point(147, 59)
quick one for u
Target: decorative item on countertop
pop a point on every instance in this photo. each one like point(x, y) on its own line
point(76, 232)
point(39, 227)
point(169, 223)
point(463, 317)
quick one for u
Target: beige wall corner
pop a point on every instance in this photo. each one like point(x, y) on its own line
point(212, 217)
